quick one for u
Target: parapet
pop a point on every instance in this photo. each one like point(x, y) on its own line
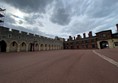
point(15, 31)
point(30, 34)
point(24, 33)
point(4, 29)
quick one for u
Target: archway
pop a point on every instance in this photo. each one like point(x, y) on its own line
point(104, 44)
point(31, 47)
point(13, 46)
point(45, 46)
point(3, 46)
point(23, 47)
point(36, 48)
point(41, 47)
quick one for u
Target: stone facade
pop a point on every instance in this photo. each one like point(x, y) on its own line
point(103, 39)
point(16, 41)
point(81, 43)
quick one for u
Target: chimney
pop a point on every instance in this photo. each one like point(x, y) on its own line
point(90, 34)
point(70, 38)
point(117, 27)
point(78, 37)
point(84, 35)
point(74, 37)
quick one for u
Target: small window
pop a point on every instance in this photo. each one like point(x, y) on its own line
point(19, 37)
point(10, 36)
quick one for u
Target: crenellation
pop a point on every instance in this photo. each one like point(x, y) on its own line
point(15, 31)
point(4, 29)
point(30, 34)
point(24, 33)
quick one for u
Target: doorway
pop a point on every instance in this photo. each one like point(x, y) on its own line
point(104, 44)
point(3, 46)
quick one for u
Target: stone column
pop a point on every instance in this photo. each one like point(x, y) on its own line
point(18, 50)
point(7, 48)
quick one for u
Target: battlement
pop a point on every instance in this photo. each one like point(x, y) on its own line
point(15, 31)
point(4, 29)
point(24, 33)
point(16, 34)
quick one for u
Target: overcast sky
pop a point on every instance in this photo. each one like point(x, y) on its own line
point(61, 17)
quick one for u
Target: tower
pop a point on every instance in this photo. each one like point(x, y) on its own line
point(2, 15)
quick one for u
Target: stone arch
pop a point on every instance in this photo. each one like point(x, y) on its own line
point(23, 47)
point(14, 46)
point(45, 46)
point(41, 47)
point(30, 47)
point(104, 44)
point(3, 46)
point(36, 47)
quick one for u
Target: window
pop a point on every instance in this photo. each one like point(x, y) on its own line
point(19, 37)
point(10, 36)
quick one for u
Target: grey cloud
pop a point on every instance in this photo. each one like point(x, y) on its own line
point(100, 14)
point(61, 14)
point(29, 5)
point(33, 19)
point(60, 17)
point(102, 8)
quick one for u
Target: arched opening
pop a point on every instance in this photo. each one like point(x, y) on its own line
point(41, 47)
point(23, 47)
point(104, 44)
point(3, 46)
point(31, 47)
point(36, 47)
point(13, 46)
point(45, 46)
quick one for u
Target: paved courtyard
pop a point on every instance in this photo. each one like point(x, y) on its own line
point(62, 66)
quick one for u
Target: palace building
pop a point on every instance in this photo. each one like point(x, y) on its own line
point(103, 39)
